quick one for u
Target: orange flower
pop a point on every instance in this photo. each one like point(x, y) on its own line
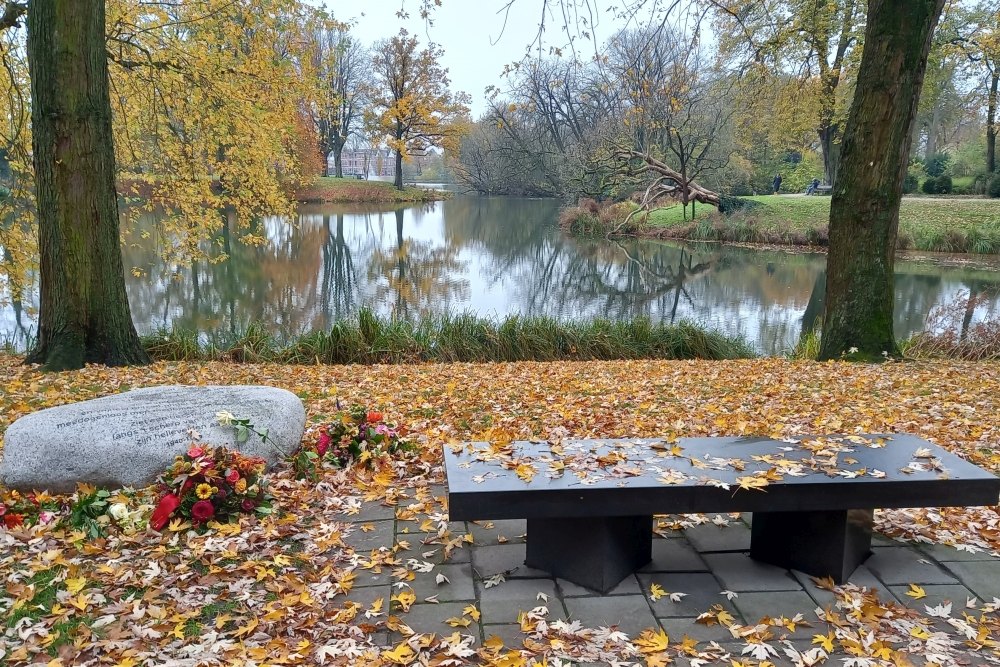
point(373, 417)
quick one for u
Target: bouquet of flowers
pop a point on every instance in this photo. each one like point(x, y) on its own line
point(18, 509)
point(356, 435)
point(211, 483)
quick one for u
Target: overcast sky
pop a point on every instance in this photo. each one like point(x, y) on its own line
point(476, 43)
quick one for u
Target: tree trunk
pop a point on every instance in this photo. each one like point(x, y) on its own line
point(84, 316)
point(338, 160)
point(399, 170)
point(864, 214)
point(991, 122)
point(831, 150)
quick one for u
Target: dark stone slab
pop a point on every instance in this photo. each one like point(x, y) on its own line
point(674, 556)
point(595, 553)
point(944, 554)
point(503, 603)
point(902, 565)
point(772, 604)
point(678, 628)
point(708, 537)
point(738, 572)
point(380, 535)
point(371, 511)
point(831, 543)
point(935, 595)
point(458, 587)
point(702, 590)
point(630, 613)
point(982, 577)
point(555, 495)
point(426, 618)
point(507, 559)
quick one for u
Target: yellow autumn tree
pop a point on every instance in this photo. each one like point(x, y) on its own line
point(412, 108)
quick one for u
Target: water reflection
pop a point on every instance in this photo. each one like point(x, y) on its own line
point(493, 256)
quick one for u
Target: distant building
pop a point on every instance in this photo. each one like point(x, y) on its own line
point(373, 162)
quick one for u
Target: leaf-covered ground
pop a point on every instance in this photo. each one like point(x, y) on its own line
point(273, 591)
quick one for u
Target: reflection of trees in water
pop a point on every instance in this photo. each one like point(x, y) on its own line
point(417, 277)
point(336, 258)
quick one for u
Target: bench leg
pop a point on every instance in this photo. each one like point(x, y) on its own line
point(823, 544)
point(595, 553)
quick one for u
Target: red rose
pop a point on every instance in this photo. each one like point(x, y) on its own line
point(202, 511)
point(248, 506)
point(373, 417)
point(324, 443)
point(232, 476)
point(164, 509)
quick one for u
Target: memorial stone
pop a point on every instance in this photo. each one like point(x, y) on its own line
point(130, 438)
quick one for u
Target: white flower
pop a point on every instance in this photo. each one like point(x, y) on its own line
point(225, 417)
point(118, 511)
point(853, 350)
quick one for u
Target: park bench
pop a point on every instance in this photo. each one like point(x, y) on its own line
point(823, 190)
point(589, 504)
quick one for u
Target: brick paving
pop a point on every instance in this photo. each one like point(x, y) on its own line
point(701, 562)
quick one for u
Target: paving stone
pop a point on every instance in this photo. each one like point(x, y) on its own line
point(982, 577)
point(937, 594)
point(486, 533)
point(628, 586)
point(367, 596)
point(678, 628)
point(674, 556)
point(862, 577)
point(631, 613)
point(380, 536)
point(755, 606)
point(779, 660)
point(902, 565)
point(425, 618)
point(944, 553)
point(702, 591)
point(434, 553)
point(372, 511)
point(509, 558)
point(366, 578)
point(503, 603)
point(458, 587)
point(709, 537)
point(739, 572)
point(411, 529)
point(509, 633)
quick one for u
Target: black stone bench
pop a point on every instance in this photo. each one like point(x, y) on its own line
point(589, 503)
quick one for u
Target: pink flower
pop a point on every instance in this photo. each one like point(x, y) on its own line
point(3, 509)
point(232, 475)
point(202, 511)
point(195, 452)
point(46, 517)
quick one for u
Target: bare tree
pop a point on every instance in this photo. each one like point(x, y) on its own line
point(344, 68)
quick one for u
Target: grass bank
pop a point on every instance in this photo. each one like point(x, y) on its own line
point(929, 224)
point(370, 339)
point(349, 190)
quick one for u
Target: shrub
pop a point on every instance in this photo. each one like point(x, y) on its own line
point(910, 184)
point(944, 185)
point(930, 186)
point(936, 164)
point(993, 190)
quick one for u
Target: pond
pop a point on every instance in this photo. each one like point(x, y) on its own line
point(496, 256)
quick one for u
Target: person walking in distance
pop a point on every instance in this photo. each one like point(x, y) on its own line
point(777, 183)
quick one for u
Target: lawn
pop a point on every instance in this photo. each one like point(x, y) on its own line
point(350, 190)
point(284, 589)
point(947, 225)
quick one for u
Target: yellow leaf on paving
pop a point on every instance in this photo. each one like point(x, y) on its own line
point(916, 592)
point(825, 641)
point(920, 633)
point(401, 655)
point(656, 592)
point(652, 642)
point(456, 622)
point(405, 599)
point(472, 612)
